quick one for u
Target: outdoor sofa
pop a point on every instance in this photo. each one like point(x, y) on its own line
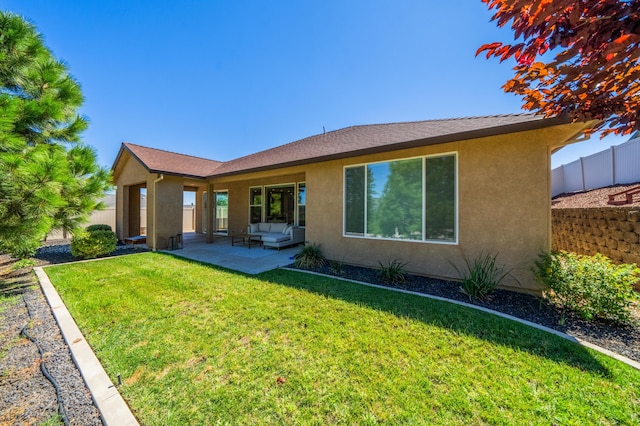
point(277, 235)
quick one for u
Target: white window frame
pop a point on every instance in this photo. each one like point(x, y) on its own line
point(297, 222)
point(255, 205)
point(424, 201)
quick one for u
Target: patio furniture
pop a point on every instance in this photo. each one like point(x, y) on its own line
point(175, 242)
point(138, 239)
point(277, 235)
point(246, 239)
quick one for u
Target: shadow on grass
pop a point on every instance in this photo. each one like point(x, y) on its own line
point(459, 319)
point(454, 317)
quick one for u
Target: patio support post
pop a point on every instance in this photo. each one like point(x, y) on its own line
point(155, 209)
point(210, 211)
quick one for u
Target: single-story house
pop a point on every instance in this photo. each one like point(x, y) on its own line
point(428, 193)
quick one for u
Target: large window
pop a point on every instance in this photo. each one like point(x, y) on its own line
point(409, 199)
point(302, 203)
point(222, 212)
point(285, 203)
point(279, 203)
point(255, 204)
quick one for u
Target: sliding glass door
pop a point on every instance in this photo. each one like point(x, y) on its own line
point(280, 203)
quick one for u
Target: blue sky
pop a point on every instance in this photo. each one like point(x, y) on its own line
point(225, 79)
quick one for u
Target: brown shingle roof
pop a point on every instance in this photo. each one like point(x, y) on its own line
point(366, 139)
point(159, 161)
point(347, 142)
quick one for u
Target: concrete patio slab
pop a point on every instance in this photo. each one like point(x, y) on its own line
point(241, 258)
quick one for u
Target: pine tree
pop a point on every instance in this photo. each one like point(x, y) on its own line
point(48, 177)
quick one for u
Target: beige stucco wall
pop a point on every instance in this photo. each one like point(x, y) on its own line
point(168, 210)
point(129, 172)
point(503, 205)
point(129, 176)
point(504, 208)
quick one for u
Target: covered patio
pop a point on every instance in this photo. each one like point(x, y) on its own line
point(238, 257)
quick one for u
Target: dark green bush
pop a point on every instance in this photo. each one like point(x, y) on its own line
point(591, 286)
point(98, 227)
point(482, 276)
point(89, 245)
point(393, 272)
point(309, 257)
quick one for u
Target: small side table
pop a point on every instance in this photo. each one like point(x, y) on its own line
point(246, 239)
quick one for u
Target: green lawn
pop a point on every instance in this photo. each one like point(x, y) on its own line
point(196, 344)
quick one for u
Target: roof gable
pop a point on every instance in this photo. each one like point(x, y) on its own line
point(171, 163)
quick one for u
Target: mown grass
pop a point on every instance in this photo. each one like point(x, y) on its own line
point(196, 344)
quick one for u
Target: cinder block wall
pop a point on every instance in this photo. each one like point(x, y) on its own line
point(614, 232)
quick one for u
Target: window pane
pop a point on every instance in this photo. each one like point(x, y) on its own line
point(222, 212)
point(354, 200)
point(255, 198)
point(302, 200)
point(255, 205)
point(256, 214)
point(440, 193)
point(302, 193)
point(280, 204)
point(395, 200)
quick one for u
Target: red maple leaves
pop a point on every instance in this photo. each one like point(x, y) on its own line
point(596, 75)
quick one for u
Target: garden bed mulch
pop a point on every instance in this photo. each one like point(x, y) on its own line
point(27, 397)
point(622, 339)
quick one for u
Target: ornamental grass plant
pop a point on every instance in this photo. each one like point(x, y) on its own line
point(393, 272)
point(310, 256)
point(481, 276)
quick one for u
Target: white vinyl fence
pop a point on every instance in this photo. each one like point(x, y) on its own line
point(617, 165)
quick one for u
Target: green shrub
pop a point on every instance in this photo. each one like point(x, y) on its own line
point(89, 245)
point(19, 248)
point(591, 286)
point(482, 276)
point(393, 272)
point(309, 257)
point(98, 227)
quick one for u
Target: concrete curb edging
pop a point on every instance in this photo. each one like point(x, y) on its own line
point(113, 409)
point(584, 343)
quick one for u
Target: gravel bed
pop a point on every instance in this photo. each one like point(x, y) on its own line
point(594, 198)
point(26, 394)
point(59, 251)
point(622, 339)
point(27, 397)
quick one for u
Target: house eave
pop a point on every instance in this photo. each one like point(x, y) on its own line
point(166, 173)
point(437, 140)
